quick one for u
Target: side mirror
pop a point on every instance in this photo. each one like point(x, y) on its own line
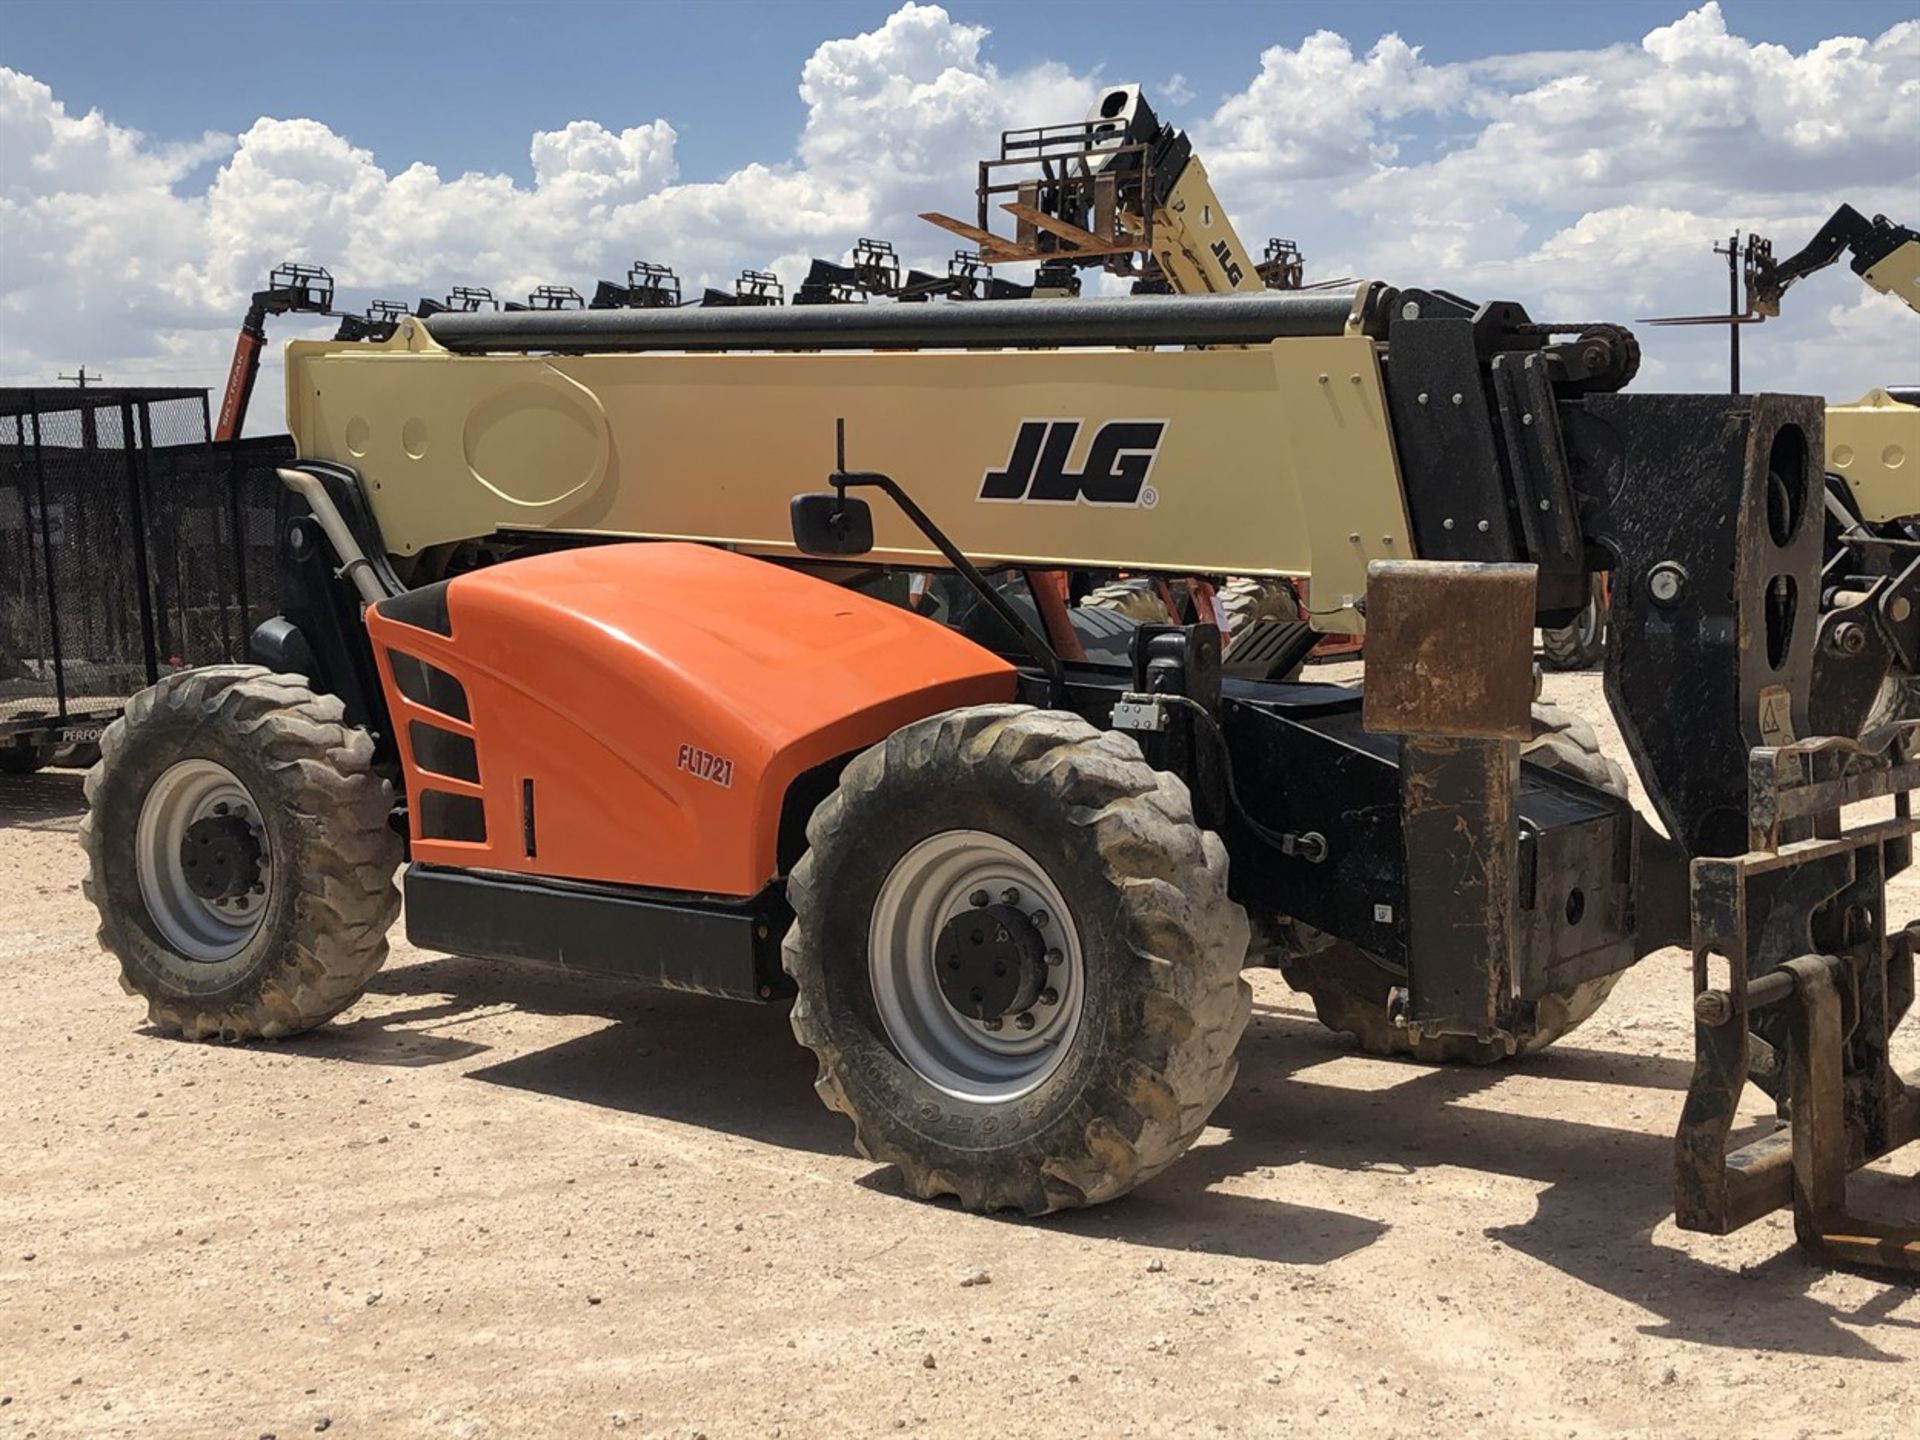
point(825, 523)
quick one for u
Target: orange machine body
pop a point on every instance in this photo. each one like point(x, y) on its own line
point(635, 713)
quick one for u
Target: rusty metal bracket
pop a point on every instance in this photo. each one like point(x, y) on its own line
point(1805, 779)
point(1450, 671)
point(1810, 1164)
point(1451, 649)
point(1816, 1085)
point(1798, 985)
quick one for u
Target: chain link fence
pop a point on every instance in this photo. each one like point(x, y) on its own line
point(130, 546)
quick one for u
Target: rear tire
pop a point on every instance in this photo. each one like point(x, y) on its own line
point(265, 774)
point(1145, 950)
point(1349, 988)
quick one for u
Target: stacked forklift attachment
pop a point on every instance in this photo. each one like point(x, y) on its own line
point(1811, 1026)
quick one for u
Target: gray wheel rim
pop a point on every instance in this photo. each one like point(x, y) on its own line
point(208, 931)
point(950, 1050)
point(1587, 627)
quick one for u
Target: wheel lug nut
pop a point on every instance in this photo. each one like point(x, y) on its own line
point(1039, 919)
point(1054, 957)
point(978, 899)
point(221, 808)
point(1049, 996)
point(1024, 1020)
point(1010, 896)
point(994, 1024)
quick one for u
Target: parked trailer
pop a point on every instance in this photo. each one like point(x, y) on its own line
point(129, 548)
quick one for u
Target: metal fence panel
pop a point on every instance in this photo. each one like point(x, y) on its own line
point(130, 546)
point(27, 676)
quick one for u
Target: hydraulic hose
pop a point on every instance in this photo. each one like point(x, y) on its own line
point(353, 560)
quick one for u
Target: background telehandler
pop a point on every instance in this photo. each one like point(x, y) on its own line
point(1123, 192)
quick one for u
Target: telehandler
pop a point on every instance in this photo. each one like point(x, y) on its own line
point(581, 635)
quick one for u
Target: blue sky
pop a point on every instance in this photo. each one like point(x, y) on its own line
point(157, 158)
point(461, 84)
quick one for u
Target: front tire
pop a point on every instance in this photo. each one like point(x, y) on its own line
point(239, 853)
point(1062, 1088)
point(1349, 988)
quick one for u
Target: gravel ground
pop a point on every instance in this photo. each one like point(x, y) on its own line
point(502, 1203)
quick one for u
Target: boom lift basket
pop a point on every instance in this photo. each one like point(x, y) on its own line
point(1084, 191)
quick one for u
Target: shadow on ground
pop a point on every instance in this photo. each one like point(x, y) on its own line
point(1604, 1190)
point(44, 800)
point(718, 1064)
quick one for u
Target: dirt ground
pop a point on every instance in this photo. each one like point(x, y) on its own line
point(502, 1203)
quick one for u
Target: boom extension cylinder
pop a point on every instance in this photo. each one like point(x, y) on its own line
point(1113, 321)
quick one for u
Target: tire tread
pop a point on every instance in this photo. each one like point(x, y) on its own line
point(1170, 878)
point(345, 867)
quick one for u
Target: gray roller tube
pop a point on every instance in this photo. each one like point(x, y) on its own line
point(1130, 320)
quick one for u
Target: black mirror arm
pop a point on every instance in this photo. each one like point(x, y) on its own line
point(1031, 640)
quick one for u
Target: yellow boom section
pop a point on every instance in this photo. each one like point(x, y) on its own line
point(1874, 446)
point(1275, 459)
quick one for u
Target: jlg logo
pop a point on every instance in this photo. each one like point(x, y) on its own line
point(1224, 254)
point(1118, 464)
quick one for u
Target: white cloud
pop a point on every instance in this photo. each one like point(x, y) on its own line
point(109, 259)
point(1316, 112)
point(1587, 184)
point(98, 252)
point(601, 164)
point(1694, 115)
point(85, 156)
point(903, 111)
point(1591, 184)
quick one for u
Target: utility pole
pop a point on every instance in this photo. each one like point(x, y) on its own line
point(1740, 263)
point(89, 429)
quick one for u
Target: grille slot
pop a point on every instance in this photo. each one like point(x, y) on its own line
point(443, 752)
point(429, 685)
point(452, 817)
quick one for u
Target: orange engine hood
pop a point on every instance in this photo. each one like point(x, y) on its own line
point(635, 713)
